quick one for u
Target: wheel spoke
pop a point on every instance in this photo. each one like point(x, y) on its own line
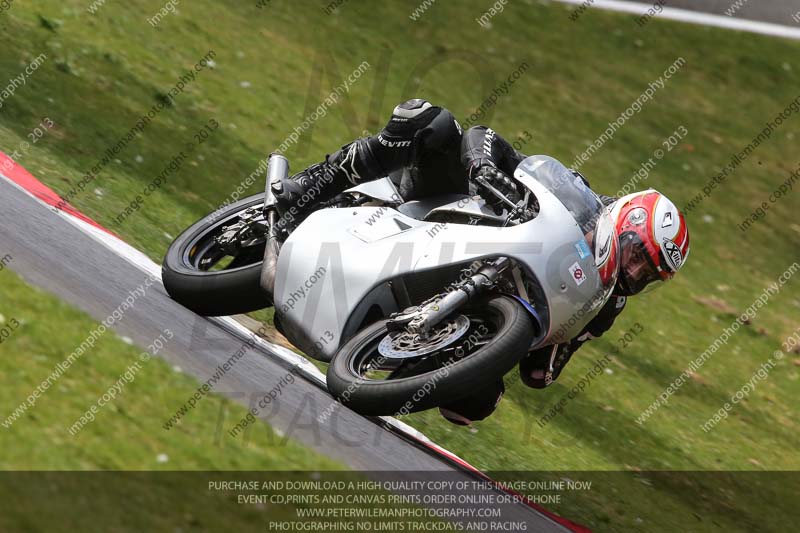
point(248, 256)
point(206, 254)
point(209, 257)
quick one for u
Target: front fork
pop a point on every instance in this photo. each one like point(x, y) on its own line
point(423, 318)
point(277, 169)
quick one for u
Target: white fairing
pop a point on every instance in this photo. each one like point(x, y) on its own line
point(338, 262)
point(382, 189)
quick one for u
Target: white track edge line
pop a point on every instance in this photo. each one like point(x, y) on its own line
point(694, 17)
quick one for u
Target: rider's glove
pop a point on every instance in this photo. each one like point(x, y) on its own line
point(497, 179)
point(541, 367)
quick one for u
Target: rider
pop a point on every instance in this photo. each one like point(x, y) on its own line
point(427, 142)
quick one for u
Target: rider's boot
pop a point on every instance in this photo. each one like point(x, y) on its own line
point(298, 195)
point(477, 406)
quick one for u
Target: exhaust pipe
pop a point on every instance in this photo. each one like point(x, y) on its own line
point(277, 169)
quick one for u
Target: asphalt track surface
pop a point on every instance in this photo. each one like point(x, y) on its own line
point(62, 258)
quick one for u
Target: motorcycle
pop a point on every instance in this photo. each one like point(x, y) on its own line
point(413, 304)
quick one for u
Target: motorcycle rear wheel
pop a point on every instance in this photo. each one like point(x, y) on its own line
point(198, 275)
point(437, 378)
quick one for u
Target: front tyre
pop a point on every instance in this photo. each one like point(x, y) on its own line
point(363, 378)
point(199, 275)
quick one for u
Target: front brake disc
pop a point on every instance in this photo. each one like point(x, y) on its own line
point(405, 345)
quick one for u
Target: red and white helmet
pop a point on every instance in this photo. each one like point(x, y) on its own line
point(654, 240)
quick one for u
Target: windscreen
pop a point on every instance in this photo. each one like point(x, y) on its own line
point(585, 206)
point(569, 187)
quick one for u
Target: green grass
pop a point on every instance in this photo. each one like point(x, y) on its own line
point(125, 435)
point(103, 71)
point(127, 432)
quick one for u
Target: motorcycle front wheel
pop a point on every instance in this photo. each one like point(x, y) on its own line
point(364, 378)
point(199, 275)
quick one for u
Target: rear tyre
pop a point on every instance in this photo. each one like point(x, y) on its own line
point(500, 333)
point(198, 275)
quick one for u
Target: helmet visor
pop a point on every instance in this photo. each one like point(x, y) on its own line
point(637, 269)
